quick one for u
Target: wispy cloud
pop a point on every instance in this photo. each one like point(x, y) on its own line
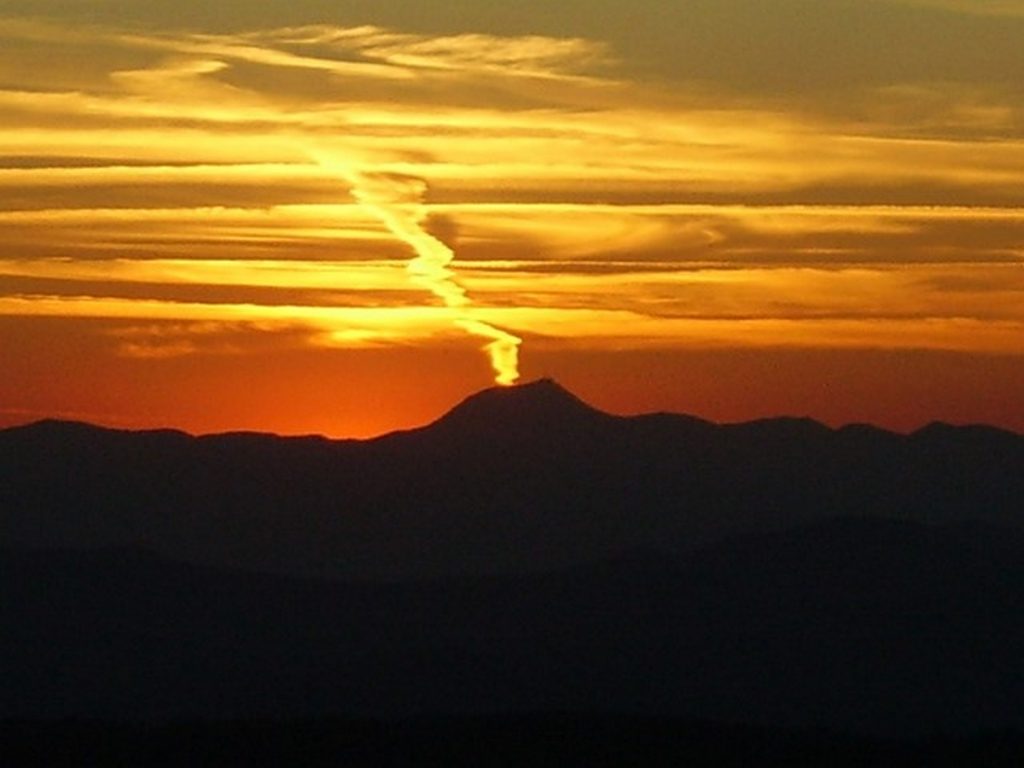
point(181, 181)
point(530, 56)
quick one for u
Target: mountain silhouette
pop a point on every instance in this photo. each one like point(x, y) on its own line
point(513, 479)
point(516, 413)
point(523, 553)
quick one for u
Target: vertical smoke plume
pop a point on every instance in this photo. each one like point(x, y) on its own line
point(397, 200)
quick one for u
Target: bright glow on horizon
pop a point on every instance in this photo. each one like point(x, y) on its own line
point(193, 195)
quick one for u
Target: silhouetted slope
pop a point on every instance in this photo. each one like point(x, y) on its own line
point(530, 410)
point(525, 552)
point(513, 479)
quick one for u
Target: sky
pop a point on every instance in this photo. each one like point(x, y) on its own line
point(344, 217)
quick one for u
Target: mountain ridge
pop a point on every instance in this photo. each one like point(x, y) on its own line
point(524, 552)
point(536, 399)
point(511, 479)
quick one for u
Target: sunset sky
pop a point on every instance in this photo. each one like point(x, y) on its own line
point(344, 216)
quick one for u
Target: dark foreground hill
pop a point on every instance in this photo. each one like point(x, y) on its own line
point(864, 624)
point(523, 554)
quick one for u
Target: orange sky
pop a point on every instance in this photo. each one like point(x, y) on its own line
point(343, 220)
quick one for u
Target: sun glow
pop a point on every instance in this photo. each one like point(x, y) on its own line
point(194, 197)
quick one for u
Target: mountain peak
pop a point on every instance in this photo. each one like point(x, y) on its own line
point(544, 388)
point(538, 405)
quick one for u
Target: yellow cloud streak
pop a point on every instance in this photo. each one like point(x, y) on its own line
point(661, 290)
point(778, 155)
point(398, 202)
point(738, 150)
point(596, 140)
point(320, 275)
point(160, 144)
point(340, 326)
point(258, 173)
point(355, 327)
point(320, 221)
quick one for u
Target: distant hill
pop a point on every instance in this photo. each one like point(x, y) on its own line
point(513, 479)
point(524, 553)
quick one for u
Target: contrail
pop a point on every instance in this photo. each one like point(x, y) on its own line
point(397, 200)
